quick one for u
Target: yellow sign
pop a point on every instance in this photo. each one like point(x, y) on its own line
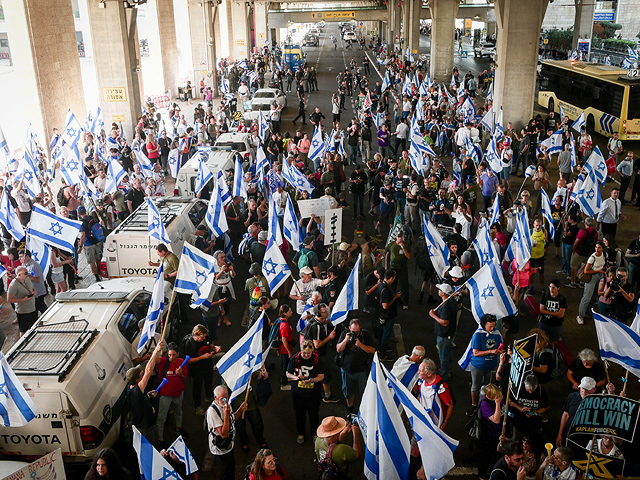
point(118, 118)
point(321, 15)
point(114, 94)
point(240, 43)
point(204, 72)
point(545, 41)
point(467, 24)
point(262, 35)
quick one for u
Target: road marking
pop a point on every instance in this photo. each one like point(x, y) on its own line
point(397, 332)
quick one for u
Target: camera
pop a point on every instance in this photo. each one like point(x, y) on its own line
point(353, 337)
point(616, 283)
point(352, 418)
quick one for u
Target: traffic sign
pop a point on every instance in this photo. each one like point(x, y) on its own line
point(203, 62)
point(362, 24)
point(463, 54)
point(332, 226)
point(545, 41)
point(350, 14)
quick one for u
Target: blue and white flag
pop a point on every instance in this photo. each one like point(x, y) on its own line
point(180, 450)
point(484, 246)
point(468, 110)
point(28, 173)
point(153, 466)
point(174, 162)
point(418, 162)
point(499, 131)
point(495, 212)
point(341, 151)
point(9, 217)
point(195, 266)
point(253, 76)
point(154, 312)
point(489, 294)
point(406, 371)
point(406, 88)
point(562, 115)
point(274, 266)
point(216, 217)
point(57, 231)
point(546, 212)
point(488, 120)
point(331, 141)
point(421, 145)
point(296, 178)
point(115, 172)
point(225, 195)
point(490, 92)
point(317, 145)
point(574, 55)
point(437, 247)
point(633, 55)
point(596, 163)
point(378, 119)
point(261, 159)
point(145, 164)
point(465, 360)
point(71, 165)
point(618, 343)
point(453, 82)
point(16, 407)
point(244, 358)
point(579, 123)
point(4, 146)
point(239, 183)
point(627, 63)
point(72, 130)
point(492, 156)
point(387, 444)
point(424, 86)
point(574, 156)
point(224, 86)
point(588, 196)
point(273, 233)
point(263, 126)
point(520, 245)
point(204, 174)
point(156, 225)
point(436, 447)
point(553, 143)
point(290, 228)
point(385, 82)
point(348, 299)
point(40, 253)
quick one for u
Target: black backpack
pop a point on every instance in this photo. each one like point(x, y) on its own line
point(327, 468)
point(588, 244)
point(63, 201)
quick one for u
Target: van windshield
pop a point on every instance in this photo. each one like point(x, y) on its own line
point(229, 146)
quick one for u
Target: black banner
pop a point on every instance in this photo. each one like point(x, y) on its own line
point(521, 363)
point(600, 466)
point(606, 415)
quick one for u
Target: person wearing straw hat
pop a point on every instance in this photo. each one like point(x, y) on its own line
point(330, 433)
point(445, 327)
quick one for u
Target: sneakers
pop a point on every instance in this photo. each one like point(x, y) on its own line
point(571, 285)
point(199, 411)
point(285, 388)
point(405, 307)
point(579, 320)
point(300, 439)
point(560, 272)
point(471, 411)
point(328, 399)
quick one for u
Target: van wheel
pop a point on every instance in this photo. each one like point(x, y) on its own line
point(591, 124)
point(126, 424)
point(552, 104)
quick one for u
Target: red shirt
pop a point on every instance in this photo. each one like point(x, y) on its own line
point(285, 332)
point(153, 150)
point(10, 265)
point(175, 384)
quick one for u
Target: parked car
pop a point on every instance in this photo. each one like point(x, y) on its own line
point(262, 100)
point(349, 36)
point(311, 40)
point(486, 49)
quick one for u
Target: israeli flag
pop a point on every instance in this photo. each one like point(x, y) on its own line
point(145, 164)
point(174, 162)
point(635, 326)
point(57, 231)
point(274, 266)
point(261, 159)
point(618, 343)
point(424, 86)
point(41, 253)
point(520, 245)
point(224, 86)
point(330, 144)
point(499, 132)
point(253, 76)
point(290, 228)
point(574, 55)
point(437, 247)
point(436, 447)
point(16, 407)
point(406, 88)
point(406, 372)
point(180, 450)
point(468, 110)
point(215, 216)
point(493, 157)
point(154, 312)
point(452, 100)
point(546, 212)
point(378, 119)
point(194, 270)
point(421, 145)
point(317, 145)
point(239, 184)
point(579, 123)
point(244, 358)
point(72, 130)
point(225, 195)
point(153, 466)
point(385, 83)
point(204, 175)
point(115, 172)
point(484, 246)
point(452, 83)
point(597, 164)
point(296, 178)
point(98, 123)
point(562, 115)
point(348, 299)
point(495, 213)
point(627, 63)
point(274, 233)
point(633, 55)
point(490, 92)
point(574, 156)
point(553, 143)
point(263, 126)
point(112, 143)
point(156, 225)
point(489, 293)
point(418, 161)
point(28, 173)
point(242, 64)
point(588, 196)
point(472, 151)
point(386, 455)
point(3, 143)
point(465, 360)
point(461, 91)
point(488, 121)
point(9, 217)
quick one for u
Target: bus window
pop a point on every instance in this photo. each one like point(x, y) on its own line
point(634, 101)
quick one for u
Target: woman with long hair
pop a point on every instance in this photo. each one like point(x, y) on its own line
point(266, 467)
point(106, 465)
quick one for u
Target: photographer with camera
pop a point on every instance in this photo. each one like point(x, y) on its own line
point(354, 348)
point(622, 296)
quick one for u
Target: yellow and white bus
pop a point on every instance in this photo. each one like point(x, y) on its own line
point(609, 96)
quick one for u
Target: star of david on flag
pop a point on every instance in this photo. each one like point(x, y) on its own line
point(16, 407)
point(290, 226)
point(156, 225)
point(588, 195)
point(57, 231)
point(115, 172)
point(180, 450)
point(215, 217)
point(40, 253)
point(596, 163)
point(296, 178)
point(492, 156)
point(484, 246)
point(244, 358)
point(72, 130)
point(195, 267)
point(153, 466)
point(489, 294)
point(154, 312)
point(317, 145)
point(520, 245)
point(274, 266)
point(437, 247)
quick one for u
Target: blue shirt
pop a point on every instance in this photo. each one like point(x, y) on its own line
point(489, 184)
point(485, 341)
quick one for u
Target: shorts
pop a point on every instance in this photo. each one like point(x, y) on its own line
point(57, 277)
point(92, 252)
point(26, 320)
point(577, 260)
point(537, 263)
point(505, 174)
point(385, 216)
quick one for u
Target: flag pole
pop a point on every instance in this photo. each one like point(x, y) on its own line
point(246, 395)
point(506, 410)
point(452, 295)
point(168, 316)
point(625, 382)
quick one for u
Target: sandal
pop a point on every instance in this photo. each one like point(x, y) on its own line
point(227, 322)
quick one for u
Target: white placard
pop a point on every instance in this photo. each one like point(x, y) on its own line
point(332, 226)
point(49, 466)
point(317, 206)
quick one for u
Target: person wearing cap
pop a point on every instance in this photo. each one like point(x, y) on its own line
point(486, 345)
point(445, 327)
point(303, 288)
point(92, 250)
point(259, 248)
point(141, 406)
point(311, 257)
point(455, 278)
point(331, 433)
point(387, 197)
point(398, 254)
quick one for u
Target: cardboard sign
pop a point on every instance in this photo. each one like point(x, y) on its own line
point(49, 466)
point(521, 363)
point(317, 206)
point(606, 415)
point(600, 466)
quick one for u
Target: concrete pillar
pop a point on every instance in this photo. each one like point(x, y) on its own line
point(201, 20)
point(237, 28)
point(260, 18)
point(519, 24)
point(583, 24)
point(168, 46)
point(46, 66)
point(117, 60)
point(443, 32)
point(412, 25)
point(395, 14)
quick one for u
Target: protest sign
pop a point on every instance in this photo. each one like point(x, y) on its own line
point(49, 466)
point(521, 363)
point(606, 415)
point(317, 206)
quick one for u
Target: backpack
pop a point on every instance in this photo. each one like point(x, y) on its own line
point(63, 201)
point(96, 232)
point(559, 368)
point(327, 469)
point(588, 244)
point(218, 441)
point(303, 260)
point(184, 342)
point(246, 247)
point(275, 340)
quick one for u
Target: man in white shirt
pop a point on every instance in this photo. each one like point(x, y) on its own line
point(610, 214)
point(462, 135)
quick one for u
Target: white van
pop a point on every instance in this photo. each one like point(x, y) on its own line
point(128, 249)
point(216, 160)
point(73, 364)
point(237, 142)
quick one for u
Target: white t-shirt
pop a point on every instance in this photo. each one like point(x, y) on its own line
point(304, 289)
point(214, 420)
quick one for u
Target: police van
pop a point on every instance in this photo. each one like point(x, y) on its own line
point(73, 365)
point(237, 142)
point(128, 249)
point(216, 160)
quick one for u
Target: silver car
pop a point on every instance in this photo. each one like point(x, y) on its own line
point(262, 100)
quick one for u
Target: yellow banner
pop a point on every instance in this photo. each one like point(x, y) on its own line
point(321, 15)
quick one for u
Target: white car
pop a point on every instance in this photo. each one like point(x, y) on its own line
point(350, 36)
point(262, 100)
point(487, 49)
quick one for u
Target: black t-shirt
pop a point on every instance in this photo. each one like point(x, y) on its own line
point(501, 471)
point(545, 357)
point(332, 291)
point(309, 368)
point(141, 407)
point(448, 311)
point(634, 246)
point(320, 331)
point(354, 359)
point(620, 307)
point(579, 371)
point(257, 251)
point(552, 304)
point(534, 400)
point(136, 197)
point(570, 233)
point(192, 348)
point(369, 281)
point(385, 294)
point(358, 187)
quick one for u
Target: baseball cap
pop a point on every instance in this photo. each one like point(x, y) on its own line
point(445, 288)
point(587, 383)
point(306, 270)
